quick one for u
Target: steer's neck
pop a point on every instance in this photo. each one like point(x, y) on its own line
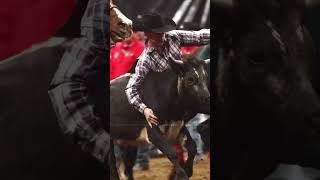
point(159, 92)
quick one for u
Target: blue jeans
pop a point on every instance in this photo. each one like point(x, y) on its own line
point(143, 154)
point(117, 154)
point(192, 128)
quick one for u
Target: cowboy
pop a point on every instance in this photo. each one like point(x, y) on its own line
point(78, 90)
point(162, 45)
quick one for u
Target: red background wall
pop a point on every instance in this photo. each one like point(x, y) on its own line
point(25, 22)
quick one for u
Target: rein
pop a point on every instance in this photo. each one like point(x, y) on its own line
point(276, 35)
point(113, 6)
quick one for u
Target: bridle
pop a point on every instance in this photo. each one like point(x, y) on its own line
point(276, 35)
point(113, 6)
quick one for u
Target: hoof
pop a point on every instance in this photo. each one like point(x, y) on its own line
point(172, 175)
point(181, 175)
point(189, 171)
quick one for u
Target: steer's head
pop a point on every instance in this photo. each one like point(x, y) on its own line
point(193, 83)
point(267, 59)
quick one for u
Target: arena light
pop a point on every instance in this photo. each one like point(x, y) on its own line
point(192, 11)
point(206, 13)
point(181, 11)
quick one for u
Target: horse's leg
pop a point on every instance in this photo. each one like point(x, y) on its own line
point(159, 140)
point(129, 158)
point(192, 151)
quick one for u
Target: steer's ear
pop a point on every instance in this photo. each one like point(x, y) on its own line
point(177, 66)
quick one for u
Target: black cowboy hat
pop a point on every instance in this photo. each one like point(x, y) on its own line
point(155, 23)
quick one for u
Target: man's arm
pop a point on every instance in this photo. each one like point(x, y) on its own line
point(194, 38)
point(134, 84)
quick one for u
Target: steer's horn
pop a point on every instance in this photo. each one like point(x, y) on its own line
point(207, 61)
point(178, 62)
point(223, 3)
point(177, 65)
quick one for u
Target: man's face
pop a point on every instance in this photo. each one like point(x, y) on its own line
point(139, 35)
point(155, 38)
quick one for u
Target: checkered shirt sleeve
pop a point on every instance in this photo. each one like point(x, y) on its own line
point(194, 38)
point(141, 70)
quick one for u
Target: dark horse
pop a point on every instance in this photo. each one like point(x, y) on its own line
point(32, 145)
point(267, 91)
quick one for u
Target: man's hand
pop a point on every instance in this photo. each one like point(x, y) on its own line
point(150, 117)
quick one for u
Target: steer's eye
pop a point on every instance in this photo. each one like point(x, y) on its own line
point(191, 81)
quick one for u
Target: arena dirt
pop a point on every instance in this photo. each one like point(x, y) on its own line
point(161, 167)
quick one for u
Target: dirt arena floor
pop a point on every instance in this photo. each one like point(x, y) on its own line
point(161, 167)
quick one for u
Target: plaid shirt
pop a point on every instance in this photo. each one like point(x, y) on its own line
point(158, 60)
point(81, 74)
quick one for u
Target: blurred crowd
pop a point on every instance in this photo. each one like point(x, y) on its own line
point(124, 54)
